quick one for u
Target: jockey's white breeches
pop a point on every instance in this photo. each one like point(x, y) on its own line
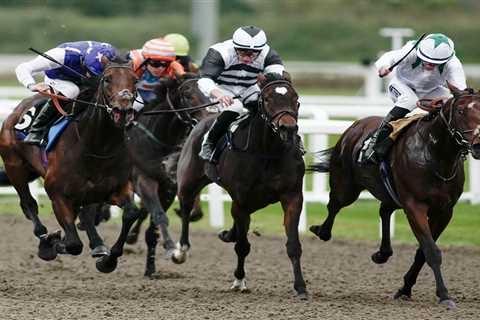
point(66, 88)
point(405, 97)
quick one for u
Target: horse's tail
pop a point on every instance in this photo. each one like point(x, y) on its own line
point(4, 181)
point(323, 165)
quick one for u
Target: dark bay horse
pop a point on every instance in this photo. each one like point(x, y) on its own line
point(263, 166)
point(154, 143)
point(427, 169)
point(88, 165)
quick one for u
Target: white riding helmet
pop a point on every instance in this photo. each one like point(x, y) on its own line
point(249, 38)
point(436, 48)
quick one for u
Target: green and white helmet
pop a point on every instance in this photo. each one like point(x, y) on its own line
point(436, 48)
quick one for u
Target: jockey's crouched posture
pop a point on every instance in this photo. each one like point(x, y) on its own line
point(422, 74)
point(230, 68)
point(85, 57)
point(154, 61)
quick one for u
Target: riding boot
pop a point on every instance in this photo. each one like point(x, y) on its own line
point(380, 142)
point(40, 125)
point(219, 127)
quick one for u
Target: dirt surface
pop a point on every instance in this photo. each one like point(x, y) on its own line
point(343, 282)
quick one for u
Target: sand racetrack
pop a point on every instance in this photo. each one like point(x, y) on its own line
point(342, 281)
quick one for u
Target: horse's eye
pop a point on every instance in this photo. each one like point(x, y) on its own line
point(461, 111)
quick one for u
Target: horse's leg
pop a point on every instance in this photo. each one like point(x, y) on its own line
point(427, 232)
point(88, 216)
point(343, 192)
point(19, 177)
point(130, 214)
point(292, 208)
point(197, 212)
point(151, 239)
point(133, 234)
point(66, 215)
point(228, 235)
point(186, 197)
point(242, 246)
point(147, 189)
point(385, 251)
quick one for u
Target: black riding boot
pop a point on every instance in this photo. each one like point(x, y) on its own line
point(40, 125)
point(219, 127)
point(381, 142)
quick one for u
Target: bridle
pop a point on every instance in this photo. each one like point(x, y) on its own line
point(105, 99)
point(279, 114)
point(183, 116)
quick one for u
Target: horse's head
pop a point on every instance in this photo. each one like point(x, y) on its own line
point(117, 90)
point(183, 92)
point(461, 114)
point(278, 105)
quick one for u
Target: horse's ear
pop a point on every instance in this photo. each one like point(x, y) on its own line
point(287, 76)
point(454, 90)
point(261, 79)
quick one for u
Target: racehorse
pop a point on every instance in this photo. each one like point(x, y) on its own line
point(89, 163)
point(262, 166)
point(427, 170)
point(156, 137)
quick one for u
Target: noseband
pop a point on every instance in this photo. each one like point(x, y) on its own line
point(184, 116)
point(270, 119)
point(124, 93)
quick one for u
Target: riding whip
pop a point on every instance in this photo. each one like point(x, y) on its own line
point(46, 56)
point(403, 58)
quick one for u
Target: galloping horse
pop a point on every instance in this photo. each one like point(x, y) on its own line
point(262, 166)
point(88, 165)
point(427, 170)
point(154, 142)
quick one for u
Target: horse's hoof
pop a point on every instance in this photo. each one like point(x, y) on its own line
point(106, 264)
point(226, 236)
point(302, 296)
point(149, 271)
point(401, 294)
point(46, 251)
point(100, 251)
point(74, 249)
point(240, 285)
point(196, 215)
point(321, 233)
point(132, 238)
point(179, 256)
point(449, 303)
point(379, 257)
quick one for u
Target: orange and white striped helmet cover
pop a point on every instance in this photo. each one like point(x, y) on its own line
point(159, 49)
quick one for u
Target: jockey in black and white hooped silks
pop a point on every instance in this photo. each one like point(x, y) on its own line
point(84, 57)
point(230, 68)
point(423, 74)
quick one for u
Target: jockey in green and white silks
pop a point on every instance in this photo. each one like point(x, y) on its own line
point(423, 74)
point(230, 68)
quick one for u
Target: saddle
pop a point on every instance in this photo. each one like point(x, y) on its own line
point(227, 139)
point(398, 127)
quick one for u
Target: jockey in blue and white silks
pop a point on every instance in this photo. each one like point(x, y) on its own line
point(230, 68)
point(85, 57)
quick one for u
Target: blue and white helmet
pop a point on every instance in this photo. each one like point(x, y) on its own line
point(436, 48)
point(249, 38)
point(93, 58)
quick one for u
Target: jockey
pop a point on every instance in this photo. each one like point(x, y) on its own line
point(182, 47)
point(422, 74)
point(230, 68)
point(154, 61)
point(85, 57)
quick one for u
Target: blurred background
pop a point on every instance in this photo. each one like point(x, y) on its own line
point(327, 45)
